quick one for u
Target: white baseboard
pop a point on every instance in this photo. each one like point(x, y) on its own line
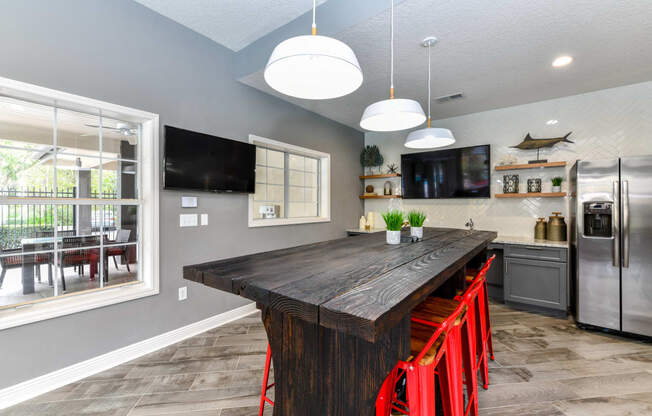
point(31, 388)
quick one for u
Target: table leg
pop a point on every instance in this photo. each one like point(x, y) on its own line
point(28, 274)
point(320, 371)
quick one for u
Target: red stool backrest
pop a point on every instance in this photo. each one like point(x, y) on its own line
point(441, 329)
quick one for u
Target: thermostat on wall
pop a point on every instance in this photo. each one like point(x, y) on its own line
point(188, 202)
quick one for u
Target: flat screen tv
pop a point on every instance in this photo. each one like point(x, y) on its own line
point(450, 173)
point(198, 161)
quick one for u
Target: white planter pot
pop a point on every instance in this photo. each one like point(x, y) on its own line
point(393, 237)
point(556, 188)
point(416, 232)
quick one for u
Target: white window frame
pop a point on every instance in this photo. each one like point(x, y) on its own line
point(148, 264)
point(324, 184)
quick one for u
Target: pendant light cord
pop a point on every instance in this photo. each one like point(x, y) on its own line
point(314, 25)
point(391, 53)
point(429, 59)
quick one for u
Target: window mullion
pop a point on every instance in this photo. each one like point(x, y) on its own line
point(318, 189)
point(55, 217)
point(286, 184)
point(101, 194)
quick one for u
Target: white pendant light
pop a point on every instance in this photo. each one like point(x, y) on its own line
point(429, 138)
point(313, 67)
point(393, 114)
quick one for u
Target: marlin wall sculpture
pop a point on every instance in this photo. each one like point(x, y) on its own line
point(529, 143)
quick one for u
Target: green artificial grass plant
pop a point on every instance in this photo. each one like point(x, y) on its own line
point(393, 220)
point(416, 218)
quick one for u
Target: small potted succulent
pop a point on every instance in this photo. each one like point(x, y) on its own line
point(416, 220)
point(394, 222)
point(556, 183)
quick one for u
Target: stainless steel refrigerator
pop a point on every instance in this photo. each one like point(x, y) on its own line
point(611, 243)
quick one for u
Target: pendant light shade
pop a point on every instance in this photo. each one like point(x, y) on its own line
point(396, 113)
point(429, 138)
point(392, 115)
point(313, 67)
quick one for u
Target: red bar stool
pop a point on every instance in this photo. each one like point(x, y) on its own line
point(445, 348)
point(483, 321)
point(263, 394)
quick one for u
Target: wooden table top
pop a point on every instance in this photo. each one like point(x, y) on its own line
point(359, 285)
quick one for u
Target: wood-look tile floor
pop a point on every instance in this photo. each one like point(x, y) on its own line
point(544, 367)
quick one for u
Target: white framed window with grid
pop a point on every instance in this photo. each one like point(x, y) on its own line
point(292, 184)
point(78, 203)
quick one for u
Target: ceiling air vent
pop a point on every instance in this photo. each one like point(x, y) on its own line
point(447, 98)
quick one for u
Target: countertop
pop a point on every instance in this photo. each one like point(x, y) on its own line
point(501, 239)
point(359, 231)
point(509, 239)
point(360, 285)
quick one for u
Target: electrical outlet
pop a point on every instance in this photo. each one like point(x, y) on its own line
point(183, 293)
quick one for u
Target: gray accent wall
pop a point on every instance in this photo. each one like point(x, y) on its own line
point(121, 52)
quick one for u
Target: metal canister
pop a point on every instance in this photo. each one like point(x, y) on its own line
point(540, 231)
point(556, 227)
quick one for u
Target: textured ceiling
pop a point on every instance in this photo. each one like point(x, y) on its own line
point(497, 53)
point(232, 23)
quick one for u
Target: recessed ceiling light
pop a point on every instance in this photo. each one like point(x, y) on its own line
point(562, 61)
point(552, 122)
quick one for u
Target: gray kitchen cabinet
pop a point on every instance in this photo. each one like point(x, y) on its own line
point(495, 273)
point(523, 251)
point(536, 282)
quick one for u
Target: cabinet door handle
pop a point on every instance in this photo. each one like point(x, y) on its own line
point(534, 248)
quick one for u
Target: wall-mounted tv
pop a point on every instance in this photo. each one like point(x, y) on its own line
point(450, 173)
point(198, 161)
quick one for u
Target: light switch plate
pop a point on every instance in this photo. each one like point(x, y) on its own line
point(204, 219)
point(187, 220)
point(183, 293)
point(188, 202)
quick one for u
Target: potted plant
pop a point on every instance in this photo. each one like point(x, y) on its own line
point(394, 222)
point(370, 157)
point(416, 220)
point(556, 183)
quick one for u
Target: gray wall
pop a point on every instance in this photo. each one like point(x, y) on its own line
point(121, 52)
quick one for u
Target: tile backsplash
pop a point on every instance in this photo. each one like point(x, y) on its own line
point(605, 124)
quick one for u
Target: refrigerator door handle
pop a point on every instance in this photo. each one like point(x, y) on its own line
point(614, 226)
point(625, 224)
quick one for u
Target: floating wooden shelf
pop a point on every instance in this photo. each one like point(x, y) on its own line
point(380, 196)
point(533, 195)
point(382, 175)
point(532, 166)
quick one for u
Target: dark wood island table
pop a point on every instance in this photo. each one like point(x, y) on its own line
point(337, 313)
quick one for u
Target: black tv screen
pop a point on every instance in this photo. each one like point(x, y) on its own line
point(450, 173)
point(208, 163)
